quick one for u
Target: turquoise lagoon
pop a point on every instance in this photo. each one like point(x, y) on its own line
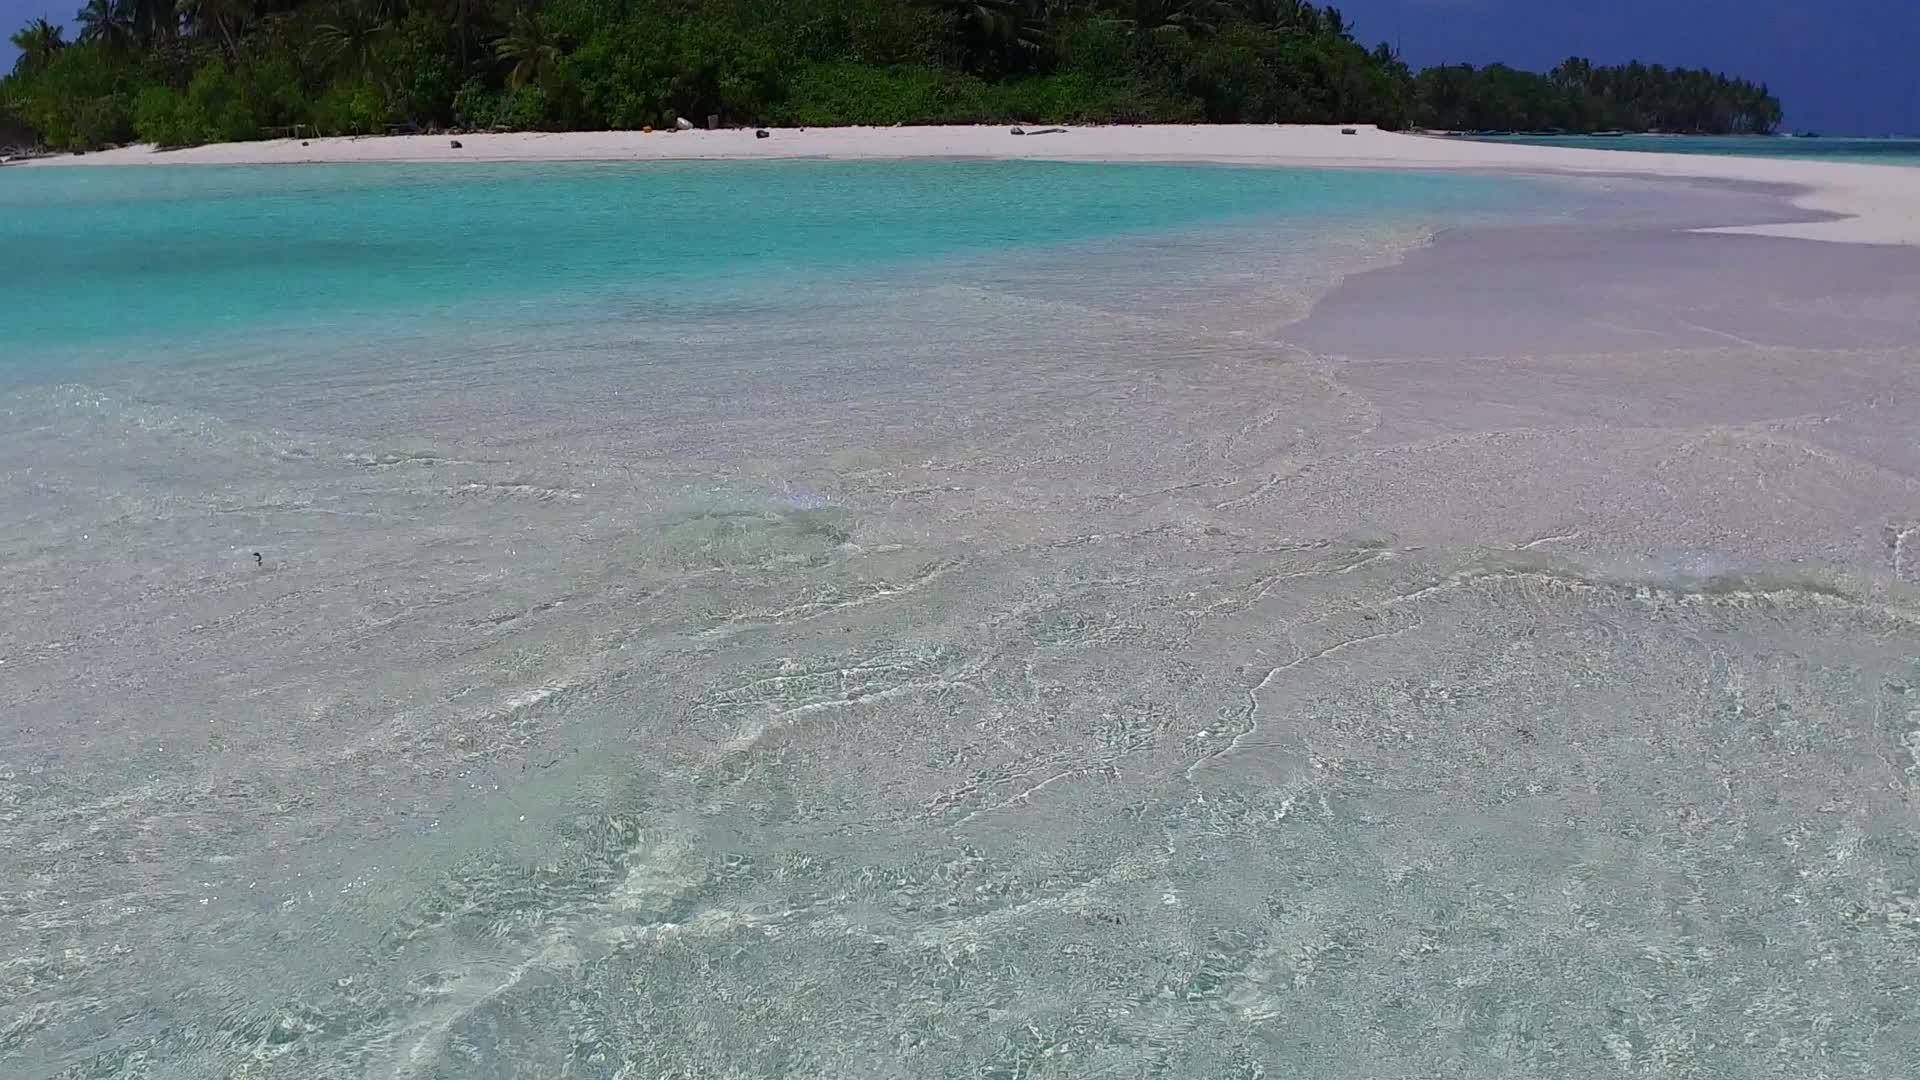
point(927, 620)
point(102, 254)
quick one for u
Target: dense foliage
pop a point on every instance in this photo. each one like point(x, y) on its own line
point(1577, 96)
point(197, 70)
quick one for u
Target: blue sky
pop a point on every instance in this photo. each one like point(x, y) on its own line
point(1841, 66)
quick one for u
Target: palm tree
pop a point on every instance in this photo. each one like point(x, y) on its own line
point(1573, 74)
point(154, 19)
point(988, 26)
point(1277, 14)
point(221, 16)
point(37, 42)
point(351, 37)
point(109, 22)
point(527, 47)
point(1171, 18)
point(462, 11)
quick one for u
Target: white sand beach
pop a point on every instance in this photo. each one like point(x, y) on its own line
point(1854, 203)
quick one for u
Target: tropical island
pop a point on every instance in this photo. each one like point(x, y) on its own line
point(232, 70)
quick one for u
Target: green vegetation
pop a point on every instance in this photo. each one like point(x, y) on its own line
point(1576, 96)
point(204, 70)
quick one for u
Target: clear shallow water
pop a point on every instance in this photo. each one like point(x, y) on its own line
point(97, 255)
point(1872, 151)
point(1012, 658)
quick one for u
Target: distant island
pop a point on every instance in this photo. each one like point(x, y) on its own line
point(231, 70)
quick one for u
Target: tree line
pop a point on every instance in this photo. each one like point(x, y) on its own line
point(1577, 96)
point(176, 72)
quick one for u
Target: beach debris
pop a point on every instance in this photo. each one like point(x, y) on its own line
point(1039, 131)
point(761, 133)
point(1017, 131)
point(258, 559)
point(304, 142)
point(455, 143)
point(713, 122)
point(647, 130)
point(1349, 131)
point(682, 124)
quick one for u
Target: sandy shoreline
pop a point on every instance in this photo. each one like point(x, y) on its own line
point(1874, 204)
point(807, 638)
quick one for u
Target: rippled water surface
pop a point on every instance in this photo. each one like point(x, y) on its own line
point(961, 620)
